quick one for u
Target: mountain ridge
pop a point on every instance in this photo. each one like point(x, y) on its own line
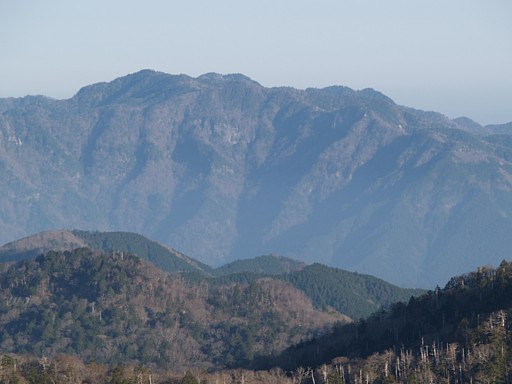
point(223, 168)
point(160, 255)
point(266, 264)
point(466, 317)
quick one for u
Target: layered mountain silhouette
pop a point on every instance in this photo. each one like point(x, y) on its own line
point(222, 168)
point(353, 294)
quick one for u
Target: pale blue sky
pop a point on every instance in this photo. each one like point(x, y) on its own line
point(451, 56)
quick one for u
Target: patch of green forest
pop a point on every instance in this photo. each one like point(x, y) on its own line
point(164, 258)
point(355, 294)
point(459, 334)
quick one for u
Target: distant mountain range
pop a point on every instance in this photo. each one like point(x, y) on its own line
point(222, 168)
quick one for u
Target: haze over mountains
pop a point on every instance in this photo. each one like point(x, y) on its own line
point(221, 168)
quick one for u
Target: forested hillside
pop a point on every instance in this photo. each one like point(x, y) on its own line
point(348, 292)
point(459, 334)
point(115, 308)
point(355, 295)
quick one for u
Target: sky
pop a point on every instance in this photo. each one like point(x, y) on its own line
point(449, 56)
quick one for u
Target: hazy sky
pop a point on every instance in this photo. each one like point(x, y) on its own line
point(451, 56)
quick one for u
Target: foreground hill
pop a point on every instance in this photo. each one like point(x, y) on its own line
point(458, 334)
point(115, 308)
point(223, 168)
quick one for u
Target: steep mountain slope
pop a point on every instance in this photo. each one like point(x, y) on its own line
point(161, 256)
point(460, 333)
point(222, 168)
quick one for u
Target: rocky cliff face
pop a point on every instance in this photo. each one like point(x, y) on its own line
point(221, 168)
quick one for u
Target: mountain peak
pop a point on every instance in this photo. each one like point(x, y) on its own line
point(375, 95)
point(136, 87)
point(216, 78)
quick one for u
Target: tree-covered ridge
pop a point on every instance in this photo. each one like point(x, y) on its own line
point(163, 257)
point(355, 294)
point(266, 264)
point(461, 333)
point(114, 308)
